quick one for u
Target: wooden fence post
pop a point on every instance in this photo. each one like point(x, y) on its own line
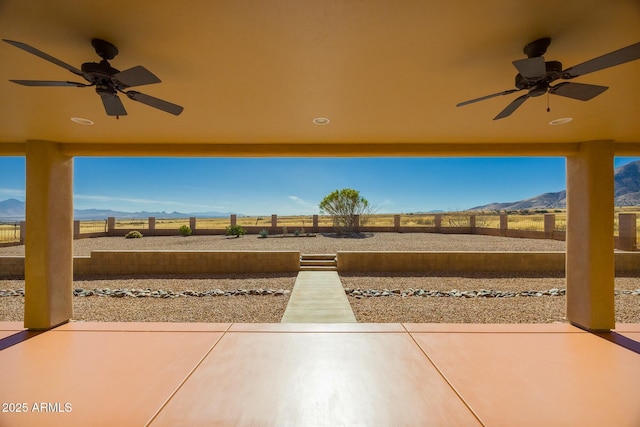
point(192, 223)
point(438, 222)
point(314, 228)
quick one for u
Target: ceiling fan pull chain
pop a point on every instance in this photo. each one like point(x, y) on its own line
point(548, 109)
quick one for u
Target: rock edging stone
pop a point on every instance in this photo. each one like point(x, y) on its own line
point(454, 293)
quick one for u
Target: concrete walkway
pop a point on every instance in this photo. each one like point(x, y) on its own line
point(318, 297)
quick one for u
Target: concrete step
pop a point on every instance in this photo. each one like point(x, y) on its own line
point(317, 262)
point(318, 268)
point(318, 257)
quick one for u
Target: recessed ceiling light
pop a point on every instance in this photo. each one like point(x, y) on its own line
point(81, 121)
point(561, 121)
point(321, 121)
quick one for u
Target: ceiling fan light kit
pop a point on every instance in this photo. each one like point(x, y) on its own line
point(536, 75)
point(108, 81)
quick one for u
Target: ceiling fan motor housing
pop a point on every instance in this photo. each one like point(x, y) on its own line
point(105, 90)
point(553, 72)
point(98, 72)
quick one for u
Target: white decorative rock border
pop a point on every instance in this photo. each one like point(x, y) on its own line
point(454, 293)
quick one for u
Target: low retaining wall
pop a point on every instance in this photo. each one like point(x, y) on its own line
point(628, 262)
point(625, 262)
point(450, 261)
point(12, 266)
point(223, 262)
point(186, 262)
point(170, 262)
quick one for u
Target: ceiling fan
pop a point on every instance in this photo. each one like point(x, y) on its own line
point(107, 80)
point(536, 75)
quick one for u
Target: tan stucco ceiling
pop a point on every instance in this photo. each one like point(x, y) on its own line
point(259, 71)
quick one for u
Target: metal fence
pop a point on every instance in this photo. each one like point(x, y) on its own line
point(488, 221)
point(171, 223)
point(9, 232)
point(141, 223)
point(94, 226)
point(417, 220)
point(526, 222)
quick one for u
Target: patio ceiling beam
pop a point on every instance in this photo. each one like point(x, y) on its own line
point(13, 149)
point(320, 149)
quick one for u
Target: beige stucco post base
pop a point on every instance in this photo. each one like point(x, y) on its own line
point(590, 261)
point(49, 236)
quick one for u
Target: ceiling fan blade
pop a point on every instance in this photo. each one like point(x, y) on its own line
point(493, 95)
point(579, 91)
point(531, 67)
point(136, 76)
point(112, 105)
point(44, 56)
point(155, 102)
point(47, 83)
point(611, 59)
point(512, 107)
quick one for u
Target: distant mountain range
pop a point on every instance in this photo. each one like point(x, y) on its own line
point(12, 209)
point(627, 193)
point(626, 179)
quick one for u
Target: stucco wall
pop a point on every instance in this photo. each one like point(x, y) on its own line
point(186, 262)
point(218, 262)
point(626, 262)
point(12, 266)
point(450, 261)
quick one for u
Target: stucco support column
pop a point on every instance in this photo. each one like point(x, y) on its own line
point(49, 242)
point(590, 261)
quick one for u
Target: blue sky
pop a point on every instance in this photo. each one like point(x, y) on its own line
point(295, 186)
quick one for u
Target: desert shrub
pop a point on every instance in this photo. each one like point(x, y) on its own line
point(235, 230)
point(134, 234)
point(185, 230)
point(345, 206)
point(296, 233)
point(263, 233)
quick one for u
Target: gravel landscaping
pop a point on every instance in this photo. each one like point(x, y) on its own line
point(513, 308)
point(251, 298)
point(318, 244)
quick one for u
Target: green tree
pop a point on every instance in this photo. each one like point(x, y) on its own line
point(344, 205)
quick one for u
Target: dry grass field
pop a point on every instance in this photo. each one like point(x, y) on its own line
point(519, 221)
point(530, 221)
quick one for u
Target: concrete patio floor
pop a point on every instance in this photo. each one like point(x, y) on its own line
point(168, 374)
